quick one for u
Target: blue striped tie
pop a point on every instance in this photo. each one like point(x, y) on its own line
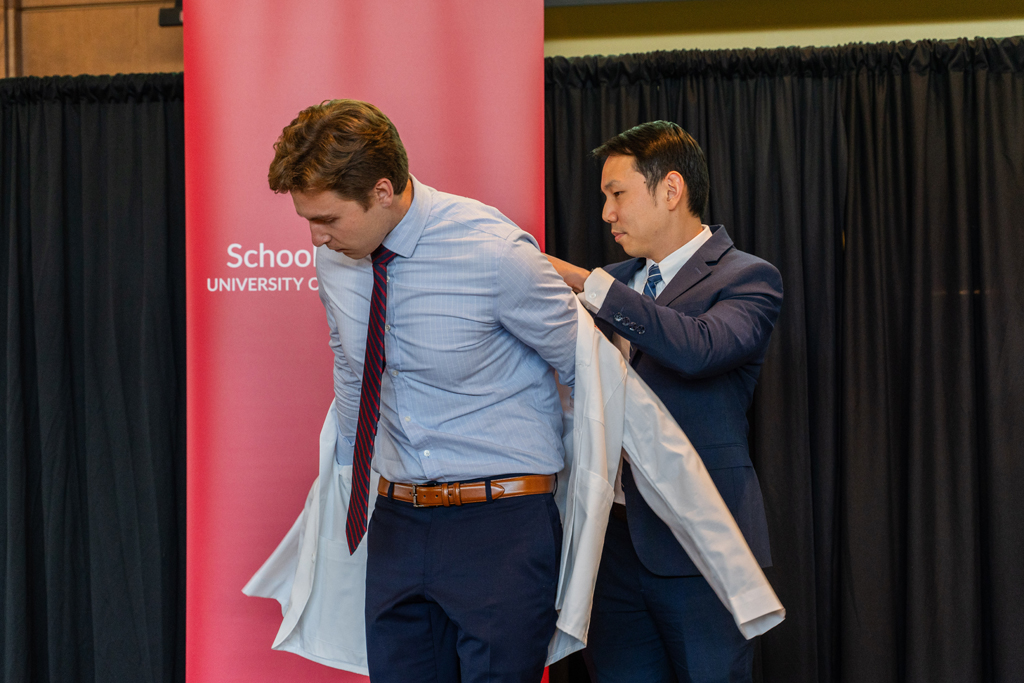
point(653, 278)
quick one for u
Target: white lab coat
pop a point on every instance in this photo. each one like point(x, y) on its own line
point(321, 587)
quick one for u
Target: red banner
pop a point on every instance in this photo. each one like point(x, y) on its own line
point(463, 82)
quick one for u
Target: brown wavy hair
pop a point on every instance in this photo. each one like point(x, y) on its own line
point(341, 145)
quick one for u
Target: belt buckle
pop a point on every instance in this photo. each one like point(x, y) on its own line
point(415, 497)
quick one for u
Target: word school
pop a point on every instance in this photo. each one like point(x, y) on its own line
point(268, 258)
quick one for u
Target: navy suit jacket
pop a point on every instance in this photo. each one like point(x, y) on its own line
point(700, 346)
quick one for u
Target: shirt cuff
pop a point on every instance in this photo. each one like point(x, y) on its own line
point(595, 289)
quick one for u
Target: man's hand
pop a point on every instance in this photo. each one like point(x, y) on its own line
point(574, 276)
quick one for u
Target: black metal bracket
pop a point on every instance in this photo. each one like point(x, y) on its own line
point(171, 16)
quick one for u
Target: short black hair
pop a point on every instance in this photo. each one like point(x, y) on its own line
point(657, 148)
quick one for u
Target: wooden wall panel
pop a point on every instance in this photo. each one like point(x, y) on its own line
point(6, 71)
point(56, 4)
point(10, 52)
point(96, 38)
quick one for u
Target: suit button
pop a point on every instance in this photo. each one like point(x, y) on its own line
point(617, 317)
point(639, 329)
point(632, 326)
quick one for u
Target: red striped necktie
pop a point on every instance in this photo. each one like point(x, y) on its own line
point(369, 401)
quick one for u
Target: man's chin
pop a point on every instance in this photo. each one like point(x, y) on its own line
point(628, 248)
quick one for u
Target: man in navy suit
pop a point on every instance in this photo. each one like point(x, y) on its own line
point(694, 315)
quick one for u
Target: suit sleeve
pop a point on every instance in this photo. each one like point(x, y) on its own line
point(732, 332)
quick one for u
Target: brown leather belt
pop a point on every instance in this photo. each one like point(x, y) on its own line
point(446, 494)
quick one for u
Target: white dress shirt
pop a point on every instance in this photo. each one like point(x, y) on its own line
point(596, 287)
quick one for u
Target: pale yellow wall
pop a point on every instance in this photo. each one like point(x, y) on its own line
point(73, 37)
point(802, 37)
point(720, 24)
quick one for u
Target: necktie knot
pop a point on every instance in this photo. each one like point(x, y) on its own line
point(382, 255)
point(653, 278)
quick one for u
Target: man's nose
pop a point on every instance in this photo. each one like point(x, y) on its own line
point(607, 214)
point(318, 235)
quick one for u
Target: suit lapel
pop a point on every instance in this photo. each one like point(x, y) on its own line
point(693, 271)
point(698, 267)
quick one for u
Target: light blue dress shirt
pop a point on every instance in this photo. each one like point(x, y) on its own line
point(476, 320)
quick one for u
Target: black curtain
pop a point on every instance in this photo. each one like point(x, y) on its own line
point(93, 436)
point(886, 182)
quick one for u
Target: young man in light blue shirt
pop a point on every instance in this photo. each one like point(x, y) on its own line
point(445, 322)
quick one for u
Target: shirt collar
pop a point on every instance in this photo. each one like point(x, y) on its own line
point(672, 263)
point(406, 235)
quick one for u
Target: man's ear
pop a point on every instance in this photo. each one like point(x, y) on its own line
point(383, 192)
point(674, 190)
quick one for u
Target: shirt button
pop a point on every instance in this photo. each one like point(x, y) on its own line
point(394, 373)
point(387, 328)
point(408, 418)
point(389, 278)
point(426, 454)
point(592, 296)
